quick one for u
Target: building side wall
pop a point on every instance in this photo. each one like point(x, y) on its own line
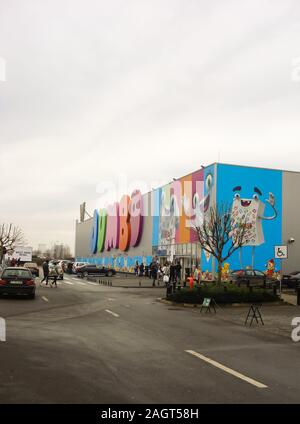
point(290, 224)
point(82, 238)
point(116, 257)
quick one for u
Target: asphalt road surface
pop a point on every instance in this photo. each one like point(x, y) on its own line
point(87, 343)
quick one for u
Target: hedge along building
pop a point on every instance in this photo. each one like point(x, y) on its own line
point(160, 224)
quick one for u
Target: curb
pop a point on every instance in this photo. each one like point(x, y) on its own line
point(228, 305)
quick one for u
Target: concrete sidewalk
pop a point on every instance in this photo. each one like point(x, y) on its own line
point(277, 318)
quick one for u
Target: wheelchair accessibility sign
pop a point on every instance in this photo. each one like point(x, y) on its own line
point(281, 252)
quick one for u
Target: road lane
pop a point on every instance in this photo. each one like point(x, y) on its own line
point(138, 357)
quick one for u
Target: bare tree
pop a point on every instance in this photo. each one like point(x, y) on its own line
point(220, 235)
point(10, 237)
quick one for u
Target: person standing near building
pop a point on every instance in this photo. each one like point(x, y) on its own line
point(136, 268)
point(154, 273)
point(45, 271)
point(150, 270)
point(166, 273)
point(178, 271)
point(172, 272)
point(142, 268)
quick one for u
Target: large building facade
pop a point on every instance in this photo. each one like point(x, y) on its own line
point(160, 224)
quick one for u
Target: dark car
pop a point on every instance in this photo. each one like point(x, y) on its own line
point(248, 277)
point(17, 281)
point(86, 270)
point(291, 280)
point(33, 267)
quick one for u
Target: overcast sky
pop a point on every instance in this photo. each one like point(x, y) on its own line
point(149, 89)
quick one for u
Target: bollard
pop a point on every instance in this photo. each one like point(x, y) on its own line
point(139, 283)
point(274, 289)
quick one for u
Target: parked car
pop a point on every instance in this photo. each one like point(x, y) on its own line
point(33, 267)
point(86, 270)
point(77, 265)
point(17, 281)
point(248, 277)
point(55, 265)
point(291, 280)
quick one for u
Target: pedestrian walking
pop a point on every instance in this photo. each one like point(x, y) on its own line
point(19, 262)
point(54, 273)
point(45, 271)
point(142, 268)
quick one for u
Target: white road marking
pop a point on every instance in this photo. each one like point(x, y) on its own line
point(93, 284)
point(112, 313)
point(45, 299)
point(228, 370)
point(67, 282)
point(81, 284)
point(110, 299)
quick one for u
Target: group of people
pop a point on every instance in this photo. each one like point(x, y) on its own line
point(47, 273)
point(14, 262)
point(168, 273)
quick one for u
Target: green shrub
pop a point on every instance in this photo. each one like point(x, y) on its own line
point(226, 293)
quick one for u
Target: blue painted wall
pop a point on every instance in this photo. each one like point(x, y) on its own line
point(156, 216)
point(267, 181)
point(209, 190)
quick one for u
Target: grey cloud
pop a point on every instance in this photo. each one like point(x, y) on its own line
point(150, 89)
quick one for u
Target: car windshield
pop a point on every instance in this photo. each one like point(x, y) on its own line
point(240, 271)
point(16, 273)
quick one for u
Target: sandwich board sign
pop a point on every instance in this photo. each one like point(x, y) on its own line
point(206, 302)
point(281, 252)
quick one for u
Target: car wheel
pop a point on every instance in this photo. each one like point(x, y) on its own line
point(32, 296)
point(109, 274)
point(86, 274)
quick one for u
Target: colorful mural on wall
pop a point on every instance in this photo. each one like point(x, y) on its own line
point(177, 207)
point(180, 205)
point(119, 263)
point(256, 194)
point(208, 202)
point(119, 226)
